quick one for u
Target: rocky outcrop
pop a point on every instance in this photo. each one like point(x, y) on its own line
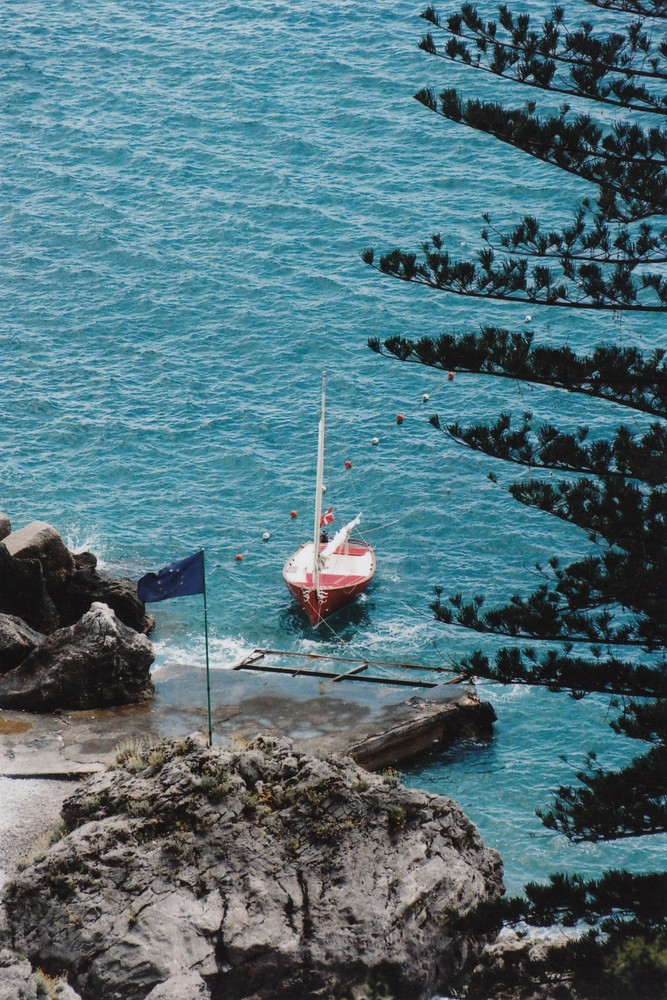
point(95, 663)
point(263, 873)
point(49, 587)
point(5, 525)
point(23, 592)
point(18, 981)
point(46, 590)
point(38, 540)
point(17, 641)
point(86, 585)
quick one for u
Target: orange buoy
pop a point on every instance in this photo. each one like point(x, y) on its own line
point(348, 464)
point(292, 513)
point(399, 418)
point(238, 557)
point(451, 376)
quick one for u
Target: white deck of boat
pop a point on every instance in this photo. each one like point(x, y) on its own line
point(341, 568)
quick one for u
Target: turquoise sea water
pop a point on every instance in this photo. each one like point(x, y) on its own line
point(184, 192)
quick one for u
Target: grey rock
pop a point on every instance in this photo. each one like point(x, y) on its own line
point(23, 592)
point(186, 986)
point(63, 991)
point(269, 873)
point(5, 525)
point(15, 976)
point(87, 585)
point(17, 640)
point(38, 540)
point(95, 663)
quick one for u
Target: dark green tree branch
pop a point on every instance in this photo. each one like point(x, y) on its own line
point(619, 374)
point(642, 457)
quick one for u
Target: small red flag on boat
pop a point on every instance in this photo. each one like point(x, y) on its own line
point(327, 517)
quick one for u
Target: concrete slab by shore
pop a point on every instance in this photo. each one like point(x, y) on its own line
point(377, 725)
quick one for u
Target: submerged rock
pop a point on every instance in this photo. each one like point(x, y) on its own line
point(263, 873)
point(98, 662)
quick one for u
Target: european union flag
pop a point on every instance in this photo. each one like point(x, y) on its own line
point(179, 579)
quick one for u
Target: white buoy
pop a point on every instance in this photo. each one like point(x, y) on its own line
point(375, 441)
point(425, 398)
point(528, 318)
point(266, 536)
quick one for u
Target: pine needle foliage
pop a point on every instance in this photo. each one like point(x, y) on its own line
point(609, 256)
point(598, 624)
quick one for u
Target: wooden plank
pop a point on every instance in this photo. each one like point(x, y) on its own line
point(353, 675)
point(257, 654)
point(355, 659)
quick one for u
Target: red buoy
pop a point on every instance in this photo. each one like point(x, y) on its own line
point(348, 464)
point(399, 418)
point(451, 376)
point(292, 513)
point(239, 557)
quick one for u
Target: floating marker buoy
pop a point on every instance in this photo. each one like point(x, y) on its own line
point(375, 441)
point(399, 418)
point(425, 398)
point(292, 513)
point(451, 376)
point(266, 536)
point(238, 557)
point(348, 464)
point(527, 318)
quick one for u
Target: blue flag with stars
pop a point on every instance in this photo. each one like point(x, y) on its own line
point(178, 579)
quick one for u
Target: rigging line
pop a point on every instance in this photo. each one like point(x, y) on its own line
point(355, 648)
point(381, 527)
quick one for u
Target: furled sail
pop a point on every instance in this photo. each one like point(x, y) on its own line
point(339, 538)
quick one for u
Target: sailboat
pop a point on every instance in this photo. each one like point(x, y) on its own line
point(323, 576)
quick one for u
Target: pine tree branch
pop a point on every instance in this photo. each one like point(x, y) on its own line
point(626, 160)
point(510, 280)
point(613, 805)
point(578, 675)
point(615, 510)
point(579, 50)
point(621, 375)
point(541, 63)
point(618, 598)
point(580, 242)
point(642, 457)
point(649, 8)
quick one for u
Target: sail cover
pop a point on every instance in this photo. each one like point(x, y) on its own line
point(339, 538)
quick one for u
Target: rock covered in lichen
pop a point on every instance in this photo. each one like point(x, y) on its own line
point(262, 872)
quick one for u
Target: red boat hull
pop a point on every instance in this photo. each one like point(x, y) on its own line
point(330, 600)
point(336, 590)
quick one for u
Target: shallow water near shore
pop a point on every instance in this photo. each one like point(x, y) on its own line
point(185, 194)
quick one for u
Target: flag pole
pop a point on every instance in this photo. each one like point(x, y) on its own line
point(208, 669)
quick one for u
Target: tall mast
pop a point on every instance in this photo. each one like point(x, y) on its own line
point(319, 485)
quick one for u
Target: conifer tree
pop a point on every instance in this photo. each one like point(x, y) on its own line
point(598, 624)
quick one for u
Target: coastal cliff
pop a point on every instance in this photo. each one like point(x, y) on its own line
point(260, 872)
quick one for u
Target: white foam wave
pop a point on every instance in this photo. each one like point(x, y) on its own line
point(224, 652)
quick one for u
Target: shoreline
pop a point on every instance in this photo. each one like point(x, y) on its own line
point(30, 810)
